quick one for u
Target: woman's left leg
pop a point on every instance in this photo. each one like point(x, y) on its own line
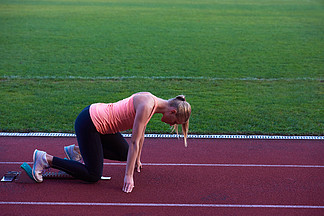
point(89, 142)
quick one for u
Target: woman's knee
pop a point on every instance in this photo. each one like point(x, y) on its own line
point(93, 178)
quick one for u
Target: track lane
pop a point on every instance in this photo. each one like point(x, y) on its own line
point(184, 184)
point(203, 151)
point(195, 185)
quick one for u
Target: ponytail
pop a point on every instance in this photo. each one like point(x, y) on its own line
point(183, 114)
point(185, 128)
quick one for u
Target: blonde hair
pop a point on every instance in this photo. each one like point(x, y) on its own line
point(183, 114)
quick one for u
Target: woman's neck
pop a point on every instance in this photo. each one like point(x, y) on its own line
point(162, 106)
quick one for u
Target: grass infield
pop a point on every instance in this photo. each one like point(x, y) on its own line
point(247, 66)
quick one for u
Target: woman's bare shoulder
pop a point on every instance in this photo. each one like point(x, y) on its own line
point(143, 99)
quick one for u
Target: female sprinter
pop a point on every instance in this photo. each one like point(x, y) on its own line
point(98, 129)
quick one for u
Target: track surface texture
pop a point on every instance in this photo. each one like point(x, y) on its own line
point(210, 177)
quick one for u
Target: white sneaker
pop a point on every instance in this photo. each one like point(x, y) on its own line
point(71, 154)
point(40, 163)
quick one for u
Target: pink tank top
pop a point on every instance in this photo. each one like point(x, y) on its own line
point(110, 118)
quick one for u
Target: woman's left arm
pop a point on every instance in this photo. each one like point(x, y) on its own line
point(138, 166)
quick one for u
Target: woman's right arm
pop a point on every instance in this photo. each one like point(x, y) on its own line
point(143, 111)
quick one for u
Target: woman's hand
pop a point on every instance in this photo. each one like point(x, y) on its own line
point(128, 184)
point(138, 166)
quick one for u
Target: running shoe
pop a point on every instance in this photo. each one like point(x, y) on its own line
point(71, 154)
point(40, 163)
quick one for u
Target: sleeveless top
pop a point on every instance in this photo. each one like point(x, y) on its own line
point(110, 118)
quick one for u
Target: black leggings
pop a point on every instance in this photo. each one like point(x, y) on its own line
point(94, 147)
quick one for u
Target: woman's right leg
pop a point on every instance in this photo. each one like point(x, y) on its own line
point(115, 147)
point(91, 150)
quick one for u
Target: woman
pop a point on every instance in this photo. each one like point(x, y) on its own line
point(98, 130)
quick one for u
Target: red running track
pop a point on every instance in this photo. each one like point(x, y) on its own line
point(210, 177)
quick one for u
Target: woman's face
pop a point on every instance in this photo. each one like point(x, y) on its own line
point(170, 118)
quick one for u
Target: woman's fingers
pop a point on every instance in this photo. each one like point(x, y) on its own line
point(138, 166)
point(128, 188)
point(128, 184)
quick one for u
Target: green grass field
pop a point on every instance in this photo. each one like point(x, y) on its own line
point(246, 66)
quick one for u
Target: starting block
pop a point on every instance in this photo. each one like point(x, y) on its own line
point(48, 173)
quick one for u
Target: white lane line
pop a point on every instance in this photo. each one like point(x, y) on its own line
point(235, 165)
point(199, 165)
point(208, 78)
point(163, 205)
point(190, 136)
